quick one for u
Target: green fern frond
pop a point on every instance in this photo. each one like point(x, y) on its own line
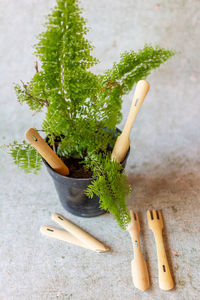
point(119, 80)
point(65, 53)
point(25, 157)
point(110, 186)
point(134, 66)
point(57, 120)
point(33, 93)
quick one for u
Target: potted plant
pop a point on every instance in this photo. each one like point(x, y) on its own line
point(82, 109)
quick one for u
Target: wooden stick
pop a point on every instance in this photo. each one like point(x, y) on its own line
point(141, 91)
point(62, 235)
point(46, 152)
point(122, 143)
point(80, 234)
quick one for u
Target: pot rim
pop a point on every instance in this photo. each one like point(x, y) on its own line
point(73, 178)
point(81, 179)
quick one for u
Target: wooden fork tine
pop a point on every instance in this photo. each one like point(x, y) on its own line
point(154, 214)
point(132, 215)
point(137, 218)
point(148, 216)
point(160, 216)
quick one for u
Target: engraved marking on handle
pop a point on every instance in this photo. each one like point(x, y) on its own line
point(35, 139)
point(164, 268)
point(136, 102)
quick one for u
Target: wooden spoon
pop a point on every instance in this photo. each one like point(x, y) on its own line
point(46, 152)
point(122, 143)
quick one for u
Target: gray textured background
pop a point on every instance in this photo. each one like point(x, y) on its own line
point(163, 166)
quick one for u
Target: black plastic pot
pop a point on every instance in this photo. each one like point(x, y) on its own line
point(71, 192)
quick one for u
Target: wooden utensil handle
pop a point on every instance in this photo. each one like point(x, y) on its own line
point(165, 278)
point(80, 234)
point(139, 269)
point(46, 152)
point(62, 235)
point(140, 274)
point(141, 91)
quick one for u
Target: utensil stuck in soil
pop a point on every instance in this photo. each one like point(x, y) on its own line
point(74, 234)
point(140, 273)
point(122, 143)
point(155, 223)
point(46, 152)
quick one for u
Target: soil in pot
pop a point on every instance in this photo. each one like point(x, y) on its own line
point(76, 168)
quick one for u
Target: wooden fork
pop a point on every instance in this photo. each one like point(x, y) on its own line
point(139, 270)
point(155, 222)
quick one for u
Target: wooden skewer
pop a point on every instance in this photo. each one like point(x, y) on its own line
point(80, 234)
point(122, 143)
point(46, 152)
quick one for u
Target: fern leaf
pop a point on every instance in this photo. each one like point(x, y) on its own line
point(119, 80)
point(25, 157)
point(134, 66)
point(110, 186)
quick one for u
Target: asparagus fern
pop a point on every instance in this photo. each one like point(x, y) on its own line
point(25, 156)
point(80, 104)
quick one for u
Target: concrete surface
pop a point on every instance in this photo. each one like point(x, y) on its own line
point(163, 166)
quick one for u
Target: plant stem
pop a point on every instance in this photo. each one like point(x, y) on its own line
point(28, 93)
